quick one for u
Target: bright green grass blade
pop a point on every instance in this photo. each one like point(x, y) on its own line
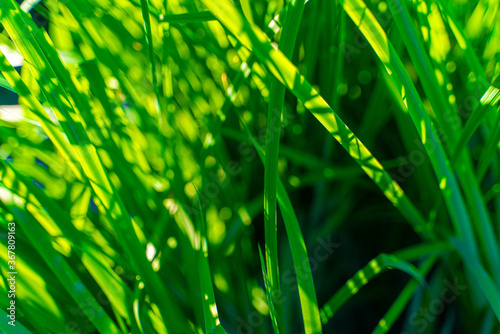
point(34, 285)
point(489, 102)
point(115, 64)
point(152, 10)
point(276, 103)
point(482, 19)
point(5, 83)
point(489, 151)
point(283, 69)
point(149, 42)
point(270, 217)
point(307, 293)
point(112, 286)
point(375, 267)
point(386, 323)
point(478, 80)
point(415, 252)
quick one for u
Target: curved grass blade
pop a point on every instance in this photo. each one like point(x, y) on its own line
point(425, 249)
point(5, 83)
point(403, 299)
point(276, 102)
point(489, 151)
point(375, 267)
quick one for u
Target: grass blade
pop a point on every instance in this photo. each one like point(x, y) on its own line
point(35, 52)
point(188, 18)
point(276, 102)
point(210, 314)
point(386, 323)
point(375, 267)
point(481, 277)
point(284, 70)
point(269, 294)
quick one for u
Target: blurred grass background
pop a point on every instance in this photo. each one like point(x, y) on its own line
point(174, 166)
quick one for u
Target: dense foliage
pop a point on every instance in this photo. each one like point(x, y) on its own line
point(249, 166)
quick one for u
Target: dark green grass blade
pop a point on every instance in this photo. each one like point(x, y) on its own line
point(489, 151)
point(151, 51)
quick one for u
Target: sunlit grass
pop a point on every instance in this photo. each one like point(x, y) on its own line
point(253, 166)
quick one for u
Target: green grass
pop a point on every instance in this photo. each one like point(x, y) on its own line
point(253, 166)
